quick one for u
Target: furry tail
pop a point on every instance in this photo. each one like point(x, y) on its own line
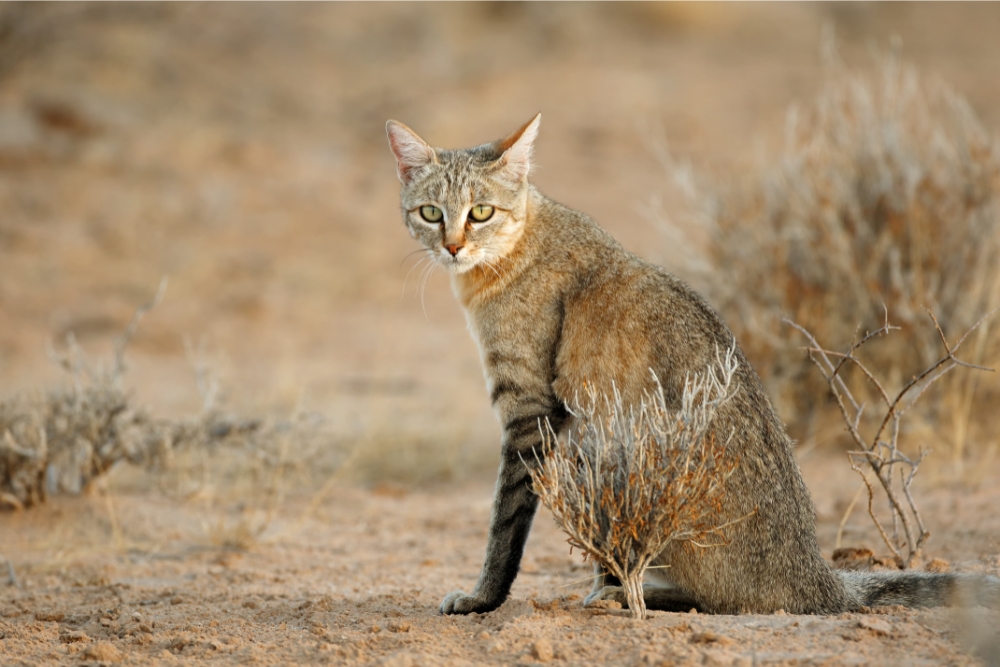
point(922, 589)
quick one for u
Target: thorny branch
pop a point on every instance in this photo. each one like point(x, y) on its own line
point(881, 451)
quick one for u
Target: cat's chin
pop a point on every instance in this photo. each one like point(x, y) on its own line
point(459, 265)
point(462, 267)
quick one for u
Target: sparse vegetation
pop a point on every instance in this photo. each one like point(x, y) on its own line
point(886, 194)
point(627, 480)
point(880, 453)
point(63, 440)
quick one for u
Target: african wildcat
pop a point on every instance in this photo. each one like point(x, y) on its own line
point(553, 302)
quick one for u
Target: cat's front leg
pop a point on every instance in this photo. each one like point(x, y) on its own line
point(514, 505)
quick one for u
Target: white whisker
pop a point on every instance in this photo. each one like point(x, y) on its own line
point(425, 276)
point(407, 278)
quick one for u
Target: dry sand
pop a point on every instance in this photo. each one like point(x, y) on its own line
point(356, 579)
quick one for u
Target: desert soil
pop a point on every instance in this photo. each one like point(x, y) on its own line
point(355, 577)
point(239, 150)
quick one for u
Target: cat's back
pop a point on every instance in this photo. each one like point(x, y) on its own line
point(621, 316)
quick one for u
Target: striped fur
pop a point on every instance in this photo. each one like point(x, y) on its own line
point(555, 303)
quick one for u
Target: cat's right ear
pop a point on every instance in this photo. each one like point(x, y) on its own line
point(516, 148)
point(412, 152)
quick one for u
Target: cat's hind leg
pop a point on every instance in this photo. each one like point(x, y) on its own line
point(658, 596)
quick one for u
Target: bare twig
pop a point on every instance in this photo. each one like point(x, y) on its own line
point(122, 341)
point(881, 452)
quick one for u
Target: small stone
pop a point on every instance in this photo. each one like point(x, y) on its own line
point(399, 626)
point(542, 651)
point(853, 558)
point(780, 612)
point(485, 634)
point(885, 563)
point(73, 636)
point(937, 565)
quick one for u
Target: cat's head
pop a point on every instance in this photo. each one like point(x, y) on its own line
point(466, 206)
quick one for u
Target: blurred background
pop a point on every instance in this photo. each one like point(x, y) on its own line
point(239, 150)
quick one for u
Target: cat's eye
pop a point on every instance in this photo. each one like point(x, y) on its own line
point(481, 213)
point(431, 213)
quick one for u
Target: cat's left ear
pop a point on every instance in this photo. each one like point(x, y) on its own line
point(411, 151)
point(516, 158)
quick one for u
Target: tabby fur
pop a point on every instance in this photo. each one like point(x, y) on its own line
point(556, 304)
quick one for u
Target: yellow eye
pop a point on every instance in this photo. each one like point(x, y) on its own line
point(481, 213)
point(431, 213)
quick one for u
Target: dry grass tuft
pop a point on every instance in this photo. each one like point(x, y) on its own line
point(630, 479)
point(886, 195)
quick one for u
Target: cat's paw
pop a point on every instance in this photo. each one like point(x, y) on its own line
point(611, 593)
point(458, 602)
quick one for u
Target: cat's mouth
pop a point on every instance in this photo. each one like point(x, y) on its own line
point(460, 262)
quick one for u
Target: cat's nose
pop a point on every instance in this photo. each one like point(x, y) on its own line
point(453, 248)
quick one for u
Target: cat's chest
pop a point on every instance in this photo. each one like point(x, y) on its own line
point(519, 328)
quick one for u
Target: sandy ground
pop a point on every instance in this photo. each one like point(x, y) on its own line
point(355, 577)
point(240, 151)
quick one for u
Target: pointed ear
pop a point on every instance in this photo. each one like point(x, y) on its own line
point(411, 151)
point(516, 158)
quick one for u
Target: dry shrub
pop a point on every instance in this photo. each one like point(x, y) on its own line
point(62, 440)
point(886, 195)
point(628, 479)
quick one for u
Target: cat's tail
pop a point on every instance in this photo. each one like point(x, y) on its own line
point(922, 589)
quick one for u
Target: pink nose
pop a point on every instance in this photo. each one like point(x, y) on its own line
point(453, 248)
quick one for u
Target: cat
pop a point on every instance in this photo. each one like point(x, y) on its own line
point(554, 303)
